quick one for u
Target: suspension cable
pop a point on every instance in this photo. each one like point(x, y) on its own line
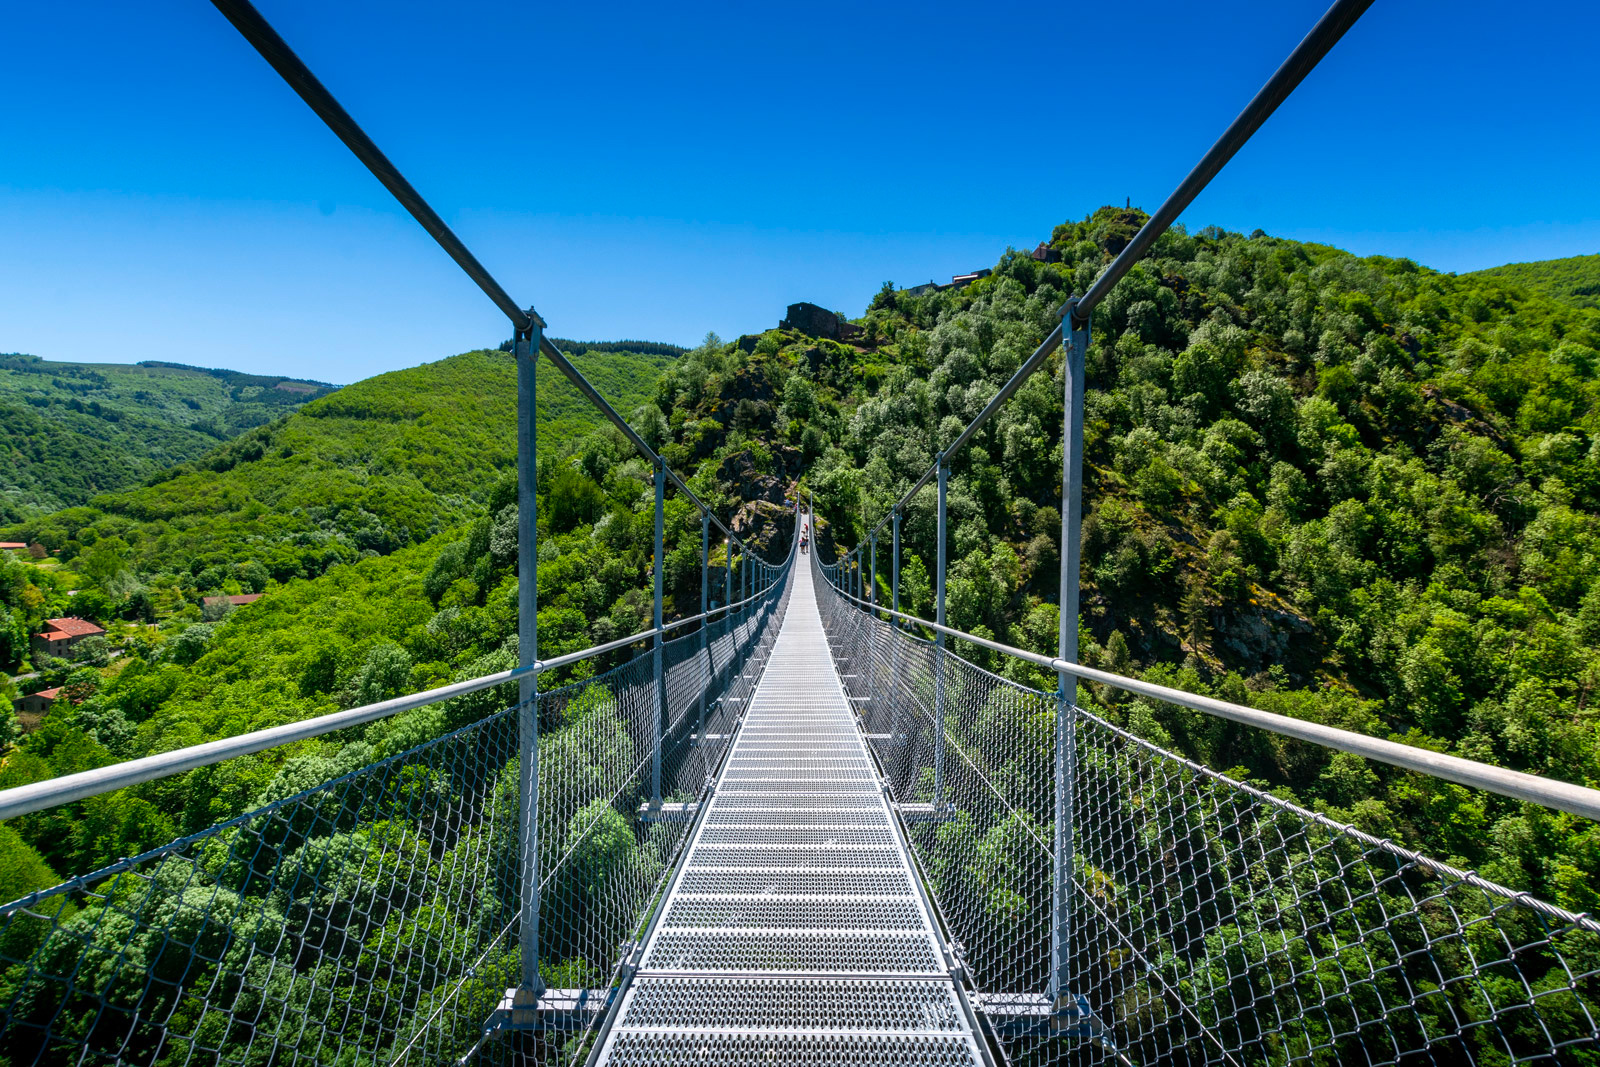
point(253, 26)
point(1307, 54)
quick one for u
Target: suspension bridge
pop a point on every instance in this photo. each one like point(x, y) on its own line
point(798, 827)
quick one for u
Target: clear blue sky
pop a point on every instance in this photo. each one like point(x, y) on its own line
point(660, 170)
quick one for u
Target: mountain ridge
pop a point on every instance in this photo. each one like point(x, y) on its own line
point(1573, 280)
point(73, 430)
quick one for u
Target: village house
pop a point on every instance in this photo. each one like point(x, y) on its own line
point(59, 636)
point(35, 704)
point(235, 600)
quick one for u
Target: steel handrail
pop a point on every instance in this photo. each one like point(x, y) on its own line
point(38, 796)
point(1547, 792)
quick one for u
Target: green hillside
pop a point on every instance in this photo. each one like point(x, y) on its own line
point(1574, 281)
point(379, 522)
point(69, 431)
point(1353, 490)
point(626, 376)
point(378, 465)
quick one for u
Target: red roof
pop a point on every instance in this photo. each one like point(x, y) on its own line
point(12, 544)
point(236, 599)
point(48, 694)
point(74, 627)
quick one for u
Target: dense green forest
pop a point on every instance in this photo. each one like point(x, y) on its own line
point(379, 522)
point(1353, 490)
point(1350, 489)
point(385, 463)
point(69, 431)
point(1574, 281)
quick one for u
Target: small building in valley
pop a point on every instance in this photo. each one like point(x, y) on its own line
point(236, 600)
point(37, 703)
point(59, 636)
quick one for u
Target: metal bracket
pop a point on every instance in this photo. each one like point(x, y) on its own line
point(1033, 1015)
point(669, 811)
point(926, 813)
point(556, 1009)
point(695, 740)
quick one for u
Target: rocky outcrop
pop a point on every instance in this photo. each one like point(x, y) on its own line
point(766, 527)
point(1264, 635)
point(771, 483)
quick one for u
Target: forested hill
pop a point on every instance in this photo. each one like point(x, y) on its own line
point(380, 464)
point(1574, 281)
point(379, 523)
point(71, 430)
point(1354, 490)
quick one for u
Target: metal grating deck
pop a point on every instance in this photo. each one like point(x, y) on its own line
point(795, 933)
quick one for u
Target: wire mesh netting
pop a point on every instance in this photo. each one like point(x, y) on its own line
point(1208, 921)
point(374, 918)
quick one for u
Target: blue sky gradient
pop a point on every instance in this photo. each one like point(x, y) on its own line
point(654, 171)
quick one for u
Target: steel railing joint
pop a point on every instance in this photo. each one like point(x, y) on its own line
point(524, 330)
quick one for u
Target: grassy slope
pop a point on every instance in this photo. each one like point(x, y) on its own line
point(385, 462)
point(71, 430)
point(1574, 281)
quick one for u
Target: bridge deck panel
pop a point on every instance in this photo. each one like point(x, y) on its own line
point(795, 932)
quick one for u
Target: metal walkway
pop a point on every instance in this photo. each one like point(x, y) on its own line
point(795, 931)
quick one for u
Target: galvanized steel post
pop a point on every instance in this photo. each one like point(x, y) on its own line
point(705, 623)
point(1061, 932)
point(895, 565)
point(938, 654)
point(873, 597)
point(656, 660)
point(895, 746)
point(526, 353)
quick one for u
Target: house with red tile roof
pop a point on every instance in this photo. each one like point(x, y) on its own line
point(36, 704)
point(60, 635)
point(235, 599)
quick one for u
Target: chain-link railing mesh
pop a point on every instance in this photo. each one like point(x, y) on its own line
point(373, 918)
point(1209, 921)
